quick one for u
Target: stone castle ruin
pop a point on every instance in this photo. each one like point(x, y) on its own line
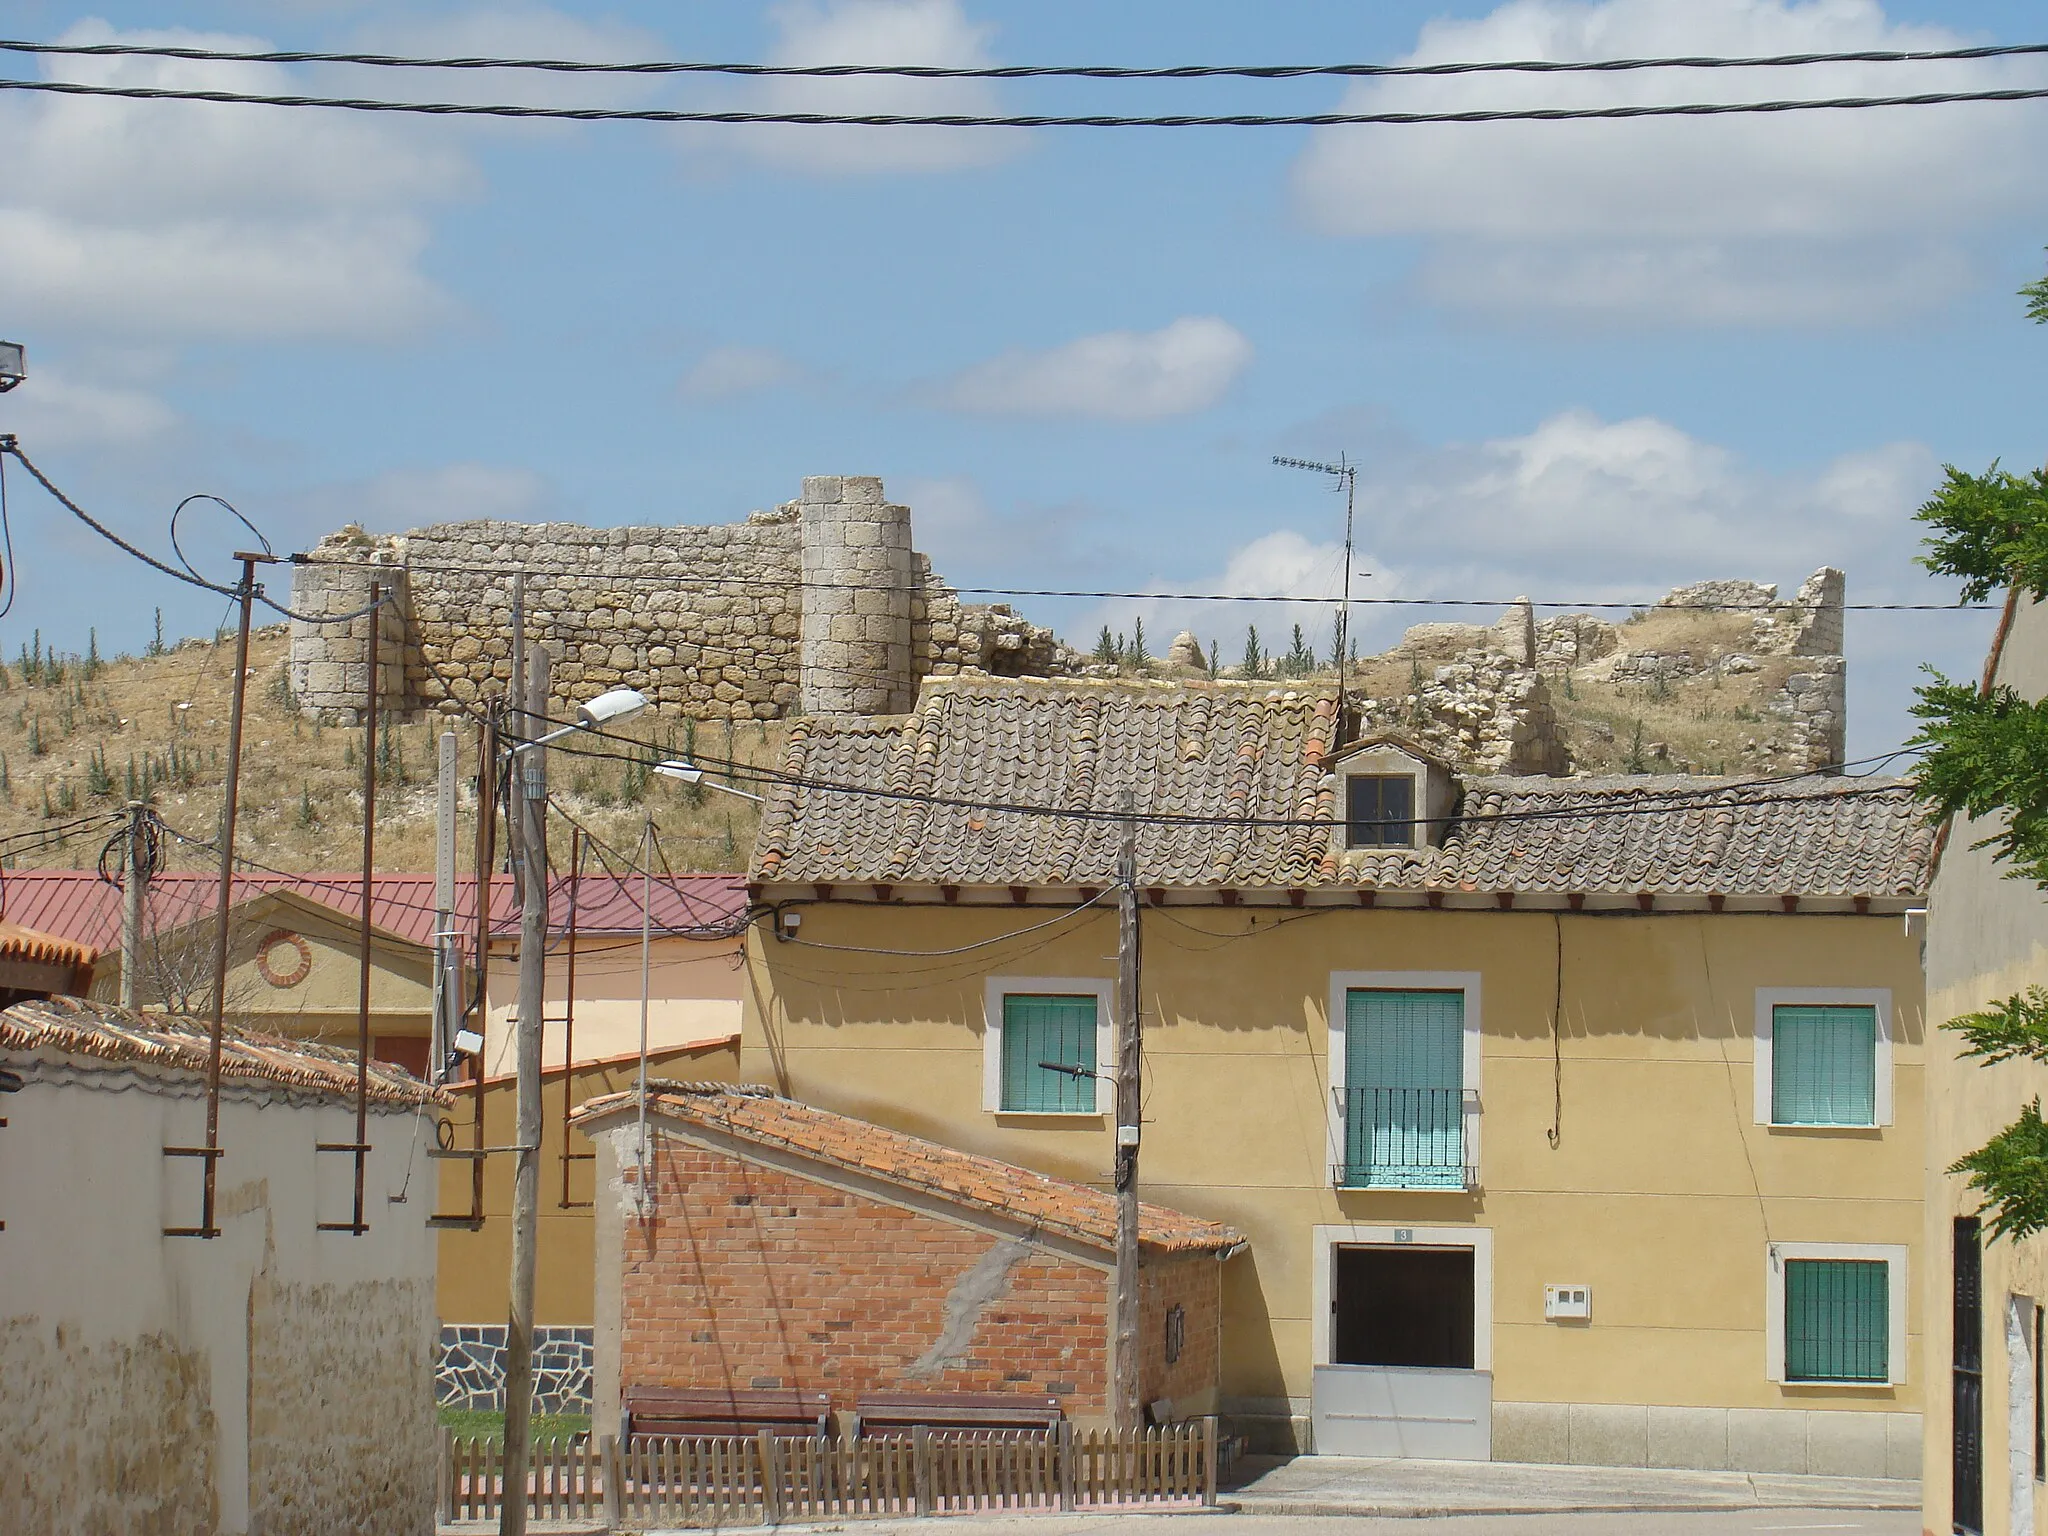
point(823, 607)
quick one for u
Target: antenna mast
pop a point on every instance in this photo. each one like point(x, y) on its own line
point(1347, 472)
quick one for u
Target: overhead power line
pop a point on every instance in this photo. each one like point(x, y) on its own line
point(1025, 119)
point(1025, 71)
point(673, 579)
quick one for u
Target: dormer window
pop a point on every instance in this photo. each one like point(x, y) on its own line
point(1379, 810)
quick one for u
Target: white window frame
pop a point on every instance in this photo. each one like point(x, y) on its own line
point(1327, 1240)
point(1878, 998)
point(1418, 802)
point(1000, 987)
point(1894, 1257)
point(1343, 982)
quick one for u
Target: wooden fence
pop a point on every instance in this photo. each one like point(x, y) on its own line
point(704, 1480)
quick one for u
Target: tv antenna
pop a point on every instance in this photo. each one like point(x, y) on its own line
point(1347, 472)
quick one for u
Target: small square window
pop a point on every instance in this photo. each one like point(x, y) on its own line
point(1823, 1065)
point(1048, 1045)
point(1379, 810)
point(1837, 1320)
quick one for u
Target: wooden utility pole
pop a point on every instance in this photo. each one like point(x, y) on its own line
point(1129, 1056)
point(134, 884)
point(530, 801)
point(210, 1154)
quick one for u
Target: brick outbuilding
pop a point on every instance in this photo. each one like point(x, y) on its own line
point(785, 1246)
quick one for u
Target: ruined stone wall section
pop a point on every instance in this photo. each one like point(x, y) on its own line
point(820, 606)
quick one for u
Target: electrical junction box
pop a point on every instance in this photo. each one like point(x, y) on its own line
point(1567, 1303)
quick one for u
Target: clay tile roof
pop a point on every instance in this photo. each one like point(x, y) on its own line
point(1055, 1206)
point(1239, 754)
point(27, 944)
point(79, 1026)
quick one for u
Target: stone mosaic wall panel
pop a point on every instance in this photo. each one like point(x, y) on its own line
point(469, 1371)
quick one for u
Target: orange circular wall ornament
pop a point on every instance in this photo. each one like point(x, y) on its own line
point(278, 968)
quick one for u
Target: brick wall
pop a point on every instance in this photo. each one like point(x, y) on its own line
point(1195, 1285)
point(749, 1277)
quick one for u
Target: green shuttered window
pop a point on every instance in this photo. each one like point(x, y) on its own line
point(1837, 1320)
point(1823, 1065)
point(1038, 1028)
point(1404, 1074)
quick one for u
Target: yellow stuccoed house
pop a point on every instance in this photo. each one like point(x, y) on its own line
point(1570, 1120)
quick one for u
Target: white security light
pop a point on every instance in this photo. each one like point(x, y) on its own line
point(615, 704)
point(13, 365)
point(686, 772)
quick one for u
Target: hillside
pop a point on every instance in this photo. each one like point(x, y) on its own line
point(80, 735)
point(1667, 690)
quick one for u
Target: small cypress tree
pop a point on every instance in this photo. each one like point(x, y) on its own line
point(1637, 762)
point(1106, 648)
point(156, 643)
point(1136, 654)
point(1210, 656)
point(1254, 665)
point(1300, 659)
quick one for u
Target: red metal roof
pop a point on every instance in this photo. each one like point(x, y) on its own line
point(79, 906)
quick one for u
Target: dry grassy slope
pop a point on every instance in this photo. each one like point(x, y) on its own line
point(301, 800)
point(163, 720)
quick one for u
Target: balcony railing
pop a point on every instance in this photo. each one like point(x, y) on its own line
point(1405, 1138)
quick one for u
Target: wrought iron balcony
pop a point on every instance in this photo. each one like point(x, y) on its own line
point(1406, 1138)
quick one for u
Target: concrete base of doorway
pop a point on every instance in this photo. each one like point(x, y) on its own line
point(1342, 1486)
point(1817, 1442)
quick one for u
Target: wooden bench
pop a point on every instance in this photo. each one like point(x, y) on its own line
point(670, 1411)
point(882, 1412)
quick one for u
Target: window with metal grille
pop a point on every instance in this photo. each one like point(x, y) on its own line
point(1403, 1096)
point(1837, 1320)
point(1041, 1036)
point(1823, 1064)
point(1379, 810)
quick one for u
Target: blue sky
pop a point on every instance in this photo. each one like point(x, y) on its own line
point(1577, 362)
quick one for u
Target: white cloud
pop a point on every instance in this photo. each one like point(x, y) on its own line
point(190, 220)
point(929, 32)
point(1823, 217)
point(59, 410)
point(399, 499)
point(724, 372)
point(1119, 375)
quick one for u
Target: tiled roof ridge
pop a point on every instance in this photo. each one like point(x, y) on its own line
point(734, 1108)
point(41, 948)
point(86, 1027)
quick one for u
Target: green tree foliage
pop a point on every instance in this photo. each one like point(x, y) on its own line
point(1987, 758)
point(1135, 654)
point(1254, 659)
point(1300, 660)
point(1107, 651)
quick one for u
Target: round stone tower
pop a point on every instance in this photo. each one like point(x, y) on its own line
point(855, 656)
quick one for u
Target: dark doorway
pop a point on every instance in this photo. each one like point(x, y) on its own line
point(1967, 1373)
point(1403, 1306)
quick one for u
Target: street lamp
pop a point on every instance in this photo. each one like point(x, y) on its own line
point(614, 704)
point(13, 365)
point(683, 771)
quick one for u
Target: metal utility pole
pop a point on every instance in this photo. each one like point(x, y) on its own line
point(359, 1149)
point(530, 799)
point(210, 1153)
point(134, 880)
point(646, 972)
point(1129, 1057)
point(446, 985)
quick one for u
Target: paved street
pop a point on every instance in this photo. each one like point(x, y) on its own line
point(1737, 1522)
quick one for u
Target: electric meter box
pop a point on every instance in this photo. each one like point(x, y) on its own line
point(1567, 1303)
